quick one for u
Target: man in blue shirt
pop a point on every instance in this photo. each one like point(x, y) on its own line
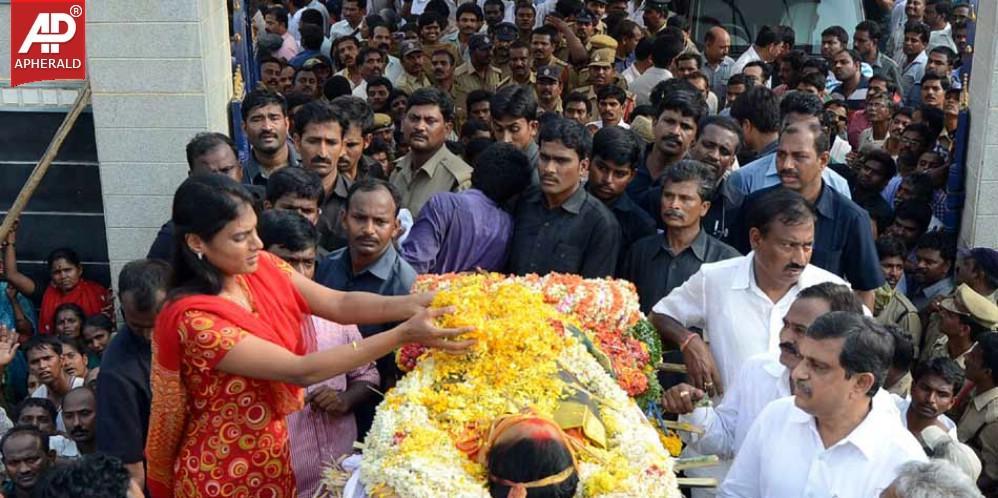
point(370, 263)
point(843, 242)
point(762, 173)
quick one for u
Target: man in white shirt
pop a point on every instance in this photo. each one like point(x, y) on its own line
point(830, 438)
point(763, 378)
point(934, 388)
point(740, 303)
point(765, 48)
point(667, 46)
point(352, 23)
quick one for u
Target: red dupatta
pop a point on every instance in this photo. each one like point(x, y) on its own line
point(281, 317)
point(90, 296)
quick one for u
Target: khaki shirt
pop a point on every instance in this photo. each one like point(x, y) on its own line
point(556, 108)
point(899, 311)
point(409, 83)
point(902, 387)
point(429, 49)
point(934, 340)
point(466, 80)
point(509, 81)
point(442, 172)
point(590, 91)
point(979, 428)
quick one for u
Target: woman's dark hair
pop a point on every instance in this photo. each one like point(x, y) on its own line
point(298, 182)
point(202, 206)
point(867, 347)
point(501, 171)
point(74, 308)
point(514, 102)
point(63, 253)
point(287, 229)
point(782, 205)
point(99, 321)
point(570, 133)
point(93, 476)
point(75, 344)
point(433, 96)
point(618, 145)
point(526, 460)
point(943, 367)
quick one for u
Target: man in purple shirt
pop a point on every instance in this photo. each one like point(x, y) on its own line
point(469, 230)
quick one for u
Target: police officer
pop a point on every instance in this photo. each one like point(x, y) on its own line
point(978, 427)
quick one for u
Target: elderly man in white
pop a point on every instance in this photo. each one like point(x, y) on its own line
point(830, 438)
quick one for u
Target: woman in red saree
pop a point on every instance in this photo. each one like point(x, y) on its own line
point(66, 285)
point(229, 350)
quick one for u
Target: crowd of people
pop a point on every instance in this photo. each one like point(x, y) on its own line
point(788, 220)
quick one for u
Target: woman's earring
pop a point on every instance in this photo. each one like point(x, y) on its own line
point(200, 256)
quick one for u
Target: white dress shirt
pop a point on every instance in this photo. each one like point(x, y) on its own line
point(783, 455)
point(737, 318)
point(642, 85)
point(749, 55)
point(630, 74)
point(343, 28)
point(393, 69)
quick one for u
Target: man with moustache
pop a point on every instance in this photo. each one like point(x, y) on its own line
point(560, 227)
point(413, 61)
point(505, 35)
point(891, 306)
point(933, 392)
point(265, 123)
point(738, 302)
point(657, 264)
point(519, 70)
point(764, 378)
point(549, 89)
point(318, 136)
point(381, 39)
point(372, 66)
point(843, 242)
point(26, 458)
point(79, 410)
point(832, 436)
point(429, 167)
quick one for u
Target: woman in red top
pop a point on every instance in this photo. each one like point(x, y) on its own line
point(66, 285)
point(229, 350)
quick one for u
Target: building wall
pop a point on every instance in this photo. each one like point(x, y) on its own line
point(980, 214)
point(160, 73)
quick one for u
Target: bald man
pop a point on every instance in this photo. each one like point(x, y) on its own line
point(717, 44)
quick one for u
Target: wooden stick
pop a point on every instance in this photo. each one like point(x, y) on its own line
point(695, 462)
point(28, 189)
point(682, 426)
point(672, 367)
point(696, 482)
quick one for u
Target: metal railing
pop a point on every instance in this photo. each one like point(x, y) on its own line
point(244, 71)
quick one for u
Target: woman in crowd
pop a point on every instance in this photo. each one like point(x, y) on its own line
point(74, 361)
point(97, 332)
point(67, 285)
point(526, 453)
point(68, 322)
point(229, 349)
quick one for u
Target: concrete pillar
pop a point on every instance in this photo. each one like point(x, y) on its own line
point(160, 73)
point(980, 213)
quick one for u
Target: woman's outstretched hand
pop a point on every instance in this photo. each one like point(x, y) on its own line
point(421, 329)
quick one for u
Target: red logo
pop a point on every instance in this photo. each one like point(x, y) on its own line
point(47, 40)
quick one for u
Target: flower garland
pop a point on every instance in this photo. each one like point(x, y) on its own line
point(436, 416)
point(606, 309)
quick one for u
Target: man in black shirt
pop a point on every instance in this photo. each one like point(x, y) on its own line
point(123, 393)
point(657, 264)
point(616, 153)
point(875, 169)
point(560, 227)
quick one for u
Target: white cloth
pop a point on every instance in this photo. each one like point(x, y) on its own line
point(783, 455)
point(642, 85)
point(737, 318)
point(750, 55)
point(941, 38)
point(840, 149)
point(393, 69)
point(63, 447)
point(761, 380)
point(598, 124)
point(904, 404)
point(343, 28)
point(43, 392)
point(630, 74)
